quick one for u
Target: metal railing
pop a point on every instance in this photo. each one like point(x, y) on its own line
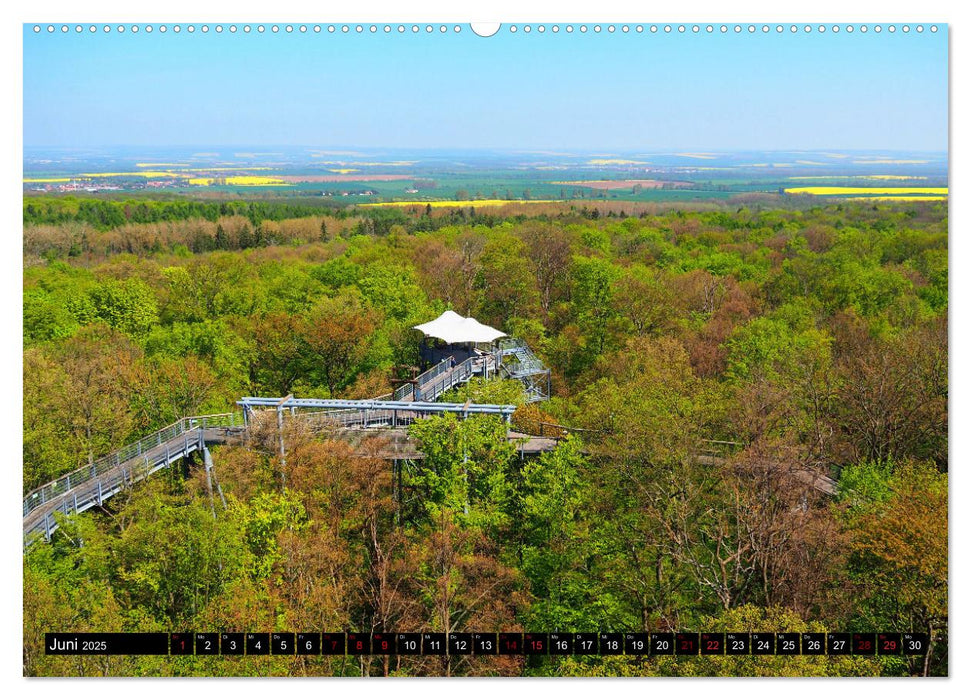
point(350, 418)
point(94, 492)
point(719, 448)
point(438, 385)
point(525, 361)
point(406, 392)
point(431, 384)
point(67, 482)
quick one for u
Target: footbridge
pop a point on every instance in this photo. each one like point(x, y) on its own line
point(92, 484)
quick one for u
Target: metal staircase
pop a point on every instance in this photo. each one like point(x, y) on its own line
point(512, 359)
point(517, 361)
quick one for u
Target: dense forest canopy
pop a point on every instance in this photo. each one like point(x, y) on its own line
point(783, 342)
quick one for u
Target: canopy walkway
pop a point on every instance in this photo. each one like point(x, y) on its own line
point(385, 417)
point(92, 484)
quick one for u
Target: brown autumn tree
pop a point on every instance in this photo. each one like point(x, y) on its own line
point(780, 500)
point(460, 585)
point(442, 272)
point(449, 267)
point(893, 392)
point(699, 291)
point(706, 347)
point(548, 250)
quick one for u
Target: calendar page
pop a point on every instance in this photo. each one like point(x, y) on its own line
point(523, 349)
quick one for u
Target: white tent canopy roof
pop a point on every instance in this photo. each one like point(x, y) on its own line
point(453, 328)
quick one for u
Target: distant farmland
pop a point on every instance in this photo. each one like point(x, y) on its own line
point(345, 178)
point(622, 184)
point(463, 203)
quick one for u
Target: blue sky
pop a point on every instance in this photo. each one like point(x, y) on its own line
point(544, 91)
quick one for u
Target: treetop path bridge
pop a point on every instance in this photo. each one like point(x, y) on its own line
point(92, 484)
point(386, 417)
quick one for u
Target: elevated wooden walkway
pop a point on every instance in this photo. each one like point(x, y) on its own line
point(352, 421)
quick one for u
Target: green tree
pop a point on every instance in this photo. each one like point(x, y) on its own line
point(335, 335)
point(466, 470)
point(592, 293)
point(559, 545)
point(898, 544)
point(128, 306)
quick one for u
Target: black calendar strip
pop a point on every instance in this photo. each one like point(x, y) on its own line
point(489, 643)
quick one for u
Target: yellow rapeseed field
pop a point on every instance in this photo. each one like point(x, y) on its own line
point(888, 198)
point(867, 190)
point(255, 181)
point(241, 181)
point(234, 169)
point(47, 179)
point(463, 203)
